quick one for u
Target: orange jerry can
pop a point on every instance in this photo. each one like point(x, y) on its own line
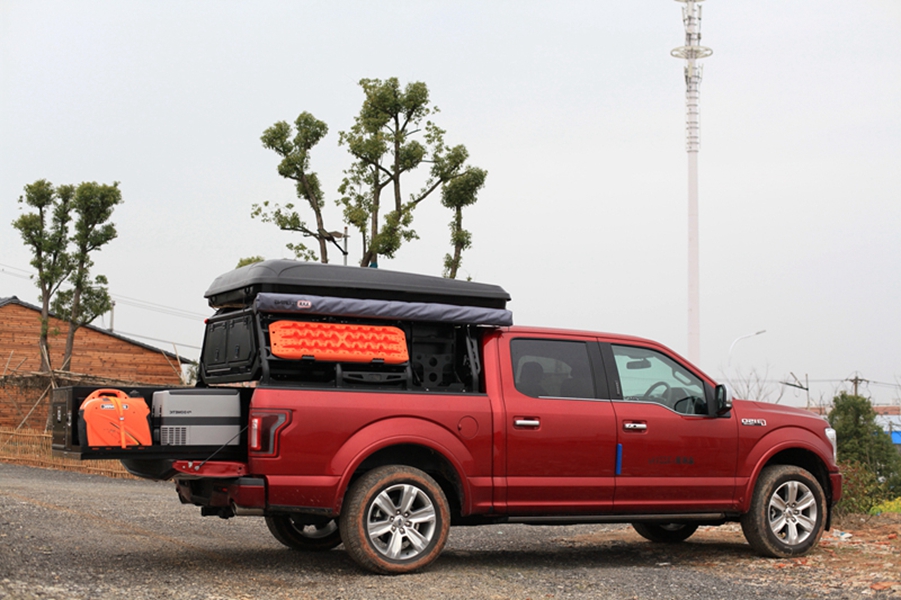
point(338, 342)
point(113, 418)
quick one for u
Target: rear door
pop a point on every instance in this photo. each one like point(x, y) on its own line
point(559, 425)
point(675, 456)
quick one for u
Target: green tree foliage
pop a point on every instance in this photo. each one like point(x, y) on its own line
point(455, 195)
point(86, 300)
point(294, 146)
point(45, 232)
point(391, 138)
point(59, 258)
point(249, 261)
point(862, 441)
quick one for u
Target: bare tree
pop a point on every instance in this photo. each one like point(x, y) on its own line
point(754, 385)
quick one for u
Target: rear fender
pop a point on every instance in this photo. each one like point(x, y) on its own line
point(384, 434)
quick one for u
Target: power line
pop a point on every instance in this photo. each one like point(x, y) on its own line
point(135, 302)
point(160, 308)
point(25, 275)
point(144, 337)
point(16, 269)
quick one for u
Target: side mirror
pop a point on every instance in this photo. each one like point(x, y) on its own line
point(723, 398)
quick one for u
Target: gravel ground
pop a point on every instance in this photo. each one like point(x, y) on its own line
point(68, 535)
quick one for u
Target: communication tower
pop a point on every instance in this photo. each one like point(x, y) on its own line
point(691, 52)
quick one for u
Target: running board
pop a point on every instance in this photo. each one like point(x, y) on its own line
point(712, 518)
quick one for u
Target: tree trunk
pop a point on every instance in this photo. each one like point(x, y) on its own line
point(370, 257)
point(458, 247)
point(320, 226)
point(74, 315)
point(397, 198)
point(43, 346)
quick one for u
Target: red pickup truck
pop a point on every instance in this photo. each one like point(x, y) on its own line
point(376, 409)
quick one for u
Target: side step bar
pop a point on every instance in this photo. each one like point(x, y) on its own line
point(712, 518)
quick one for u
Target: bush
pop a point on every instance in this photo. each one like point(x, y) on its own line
point(889, 506)
point(861, 490)
point(862, 441)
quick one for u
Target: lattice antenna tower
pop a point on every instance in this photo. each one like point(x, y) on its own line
point(691, 52)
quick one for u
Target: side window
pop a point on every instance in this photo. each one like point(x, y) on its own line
point(553, 368)
point(649, 376)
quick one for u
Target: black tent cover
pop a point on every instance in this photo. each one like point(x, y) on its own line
point(381, 309)
point(239, 287)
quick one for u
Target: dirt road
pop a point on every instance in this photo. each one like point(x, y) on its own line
point(67, 535)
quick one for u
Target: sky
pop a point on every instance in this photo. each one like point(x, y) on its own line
point(575, 108)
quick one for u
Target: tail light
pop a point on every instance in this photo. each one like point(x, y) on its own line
point(255, 438)
point(264, 429)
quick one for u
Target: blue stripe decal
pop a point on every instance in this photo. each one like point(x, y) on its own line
point(619, 459)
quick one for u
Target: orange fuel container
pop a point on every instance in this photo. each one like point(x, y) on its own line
point(113, 418)
point(338, 342)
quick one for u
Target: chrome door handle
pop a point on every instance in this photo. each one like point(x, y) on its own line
point(635, 426)
point(526, 422)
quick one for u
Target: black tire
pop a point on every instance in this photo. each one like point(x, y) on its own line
point(395, 520)
point(304, 532)
point(788, 512)
point(665, 533)
point(156, 469)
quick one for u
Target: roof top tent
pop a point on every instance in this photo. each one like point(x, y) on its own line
point(264, 327)
point(238, 288)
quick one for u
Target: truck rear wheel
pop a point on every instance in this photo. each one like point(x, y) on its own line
point(302, 532)
point(788, 512)
point(667, 533)
point(395, 520)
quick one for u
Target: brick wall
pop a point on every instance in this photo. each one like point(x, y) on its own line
point(98, 357)
point(95, 352)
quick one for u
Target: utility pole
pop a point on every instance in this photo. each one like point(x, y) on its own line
point(856, 381)
point(691, 52)
point(801, 386)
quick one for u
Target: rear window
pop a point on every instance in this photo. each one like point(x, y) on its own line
point(552, 368)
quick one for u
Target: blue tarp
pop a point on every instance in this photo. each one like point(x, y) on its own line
point(302, 304)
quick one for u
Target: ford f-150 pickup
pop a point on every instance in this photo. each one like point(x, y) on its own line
point(376, 409)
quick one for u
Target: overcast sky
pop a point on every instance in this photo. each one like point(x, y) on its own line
point(576, 110)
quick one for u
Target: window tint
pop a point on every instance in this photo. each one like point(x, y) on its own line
point(649, 376)
point(552, 368)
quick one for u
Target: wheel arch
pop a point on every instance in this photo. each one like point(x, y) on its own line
point(426, 459)
point(789, 446)
point(424, 445)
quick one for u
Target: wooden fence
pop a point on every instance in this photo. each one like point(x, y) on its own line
point(33, 448)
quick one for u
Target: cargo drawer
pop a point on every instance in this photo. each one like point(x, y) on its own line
point(185, 423)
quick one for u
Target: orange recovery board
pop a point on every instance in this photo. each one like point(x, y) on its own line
point(112, 418)
point(338, 342)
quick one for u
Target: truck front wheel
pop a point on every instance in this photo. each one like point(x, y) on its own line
point(788, 512)
point(301, 532)
point(395, 519)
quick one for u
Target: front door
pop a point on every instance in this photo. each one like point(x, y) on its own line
point(675, 455)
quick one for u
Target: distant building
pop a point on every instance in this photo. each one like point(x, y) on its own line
point(98, 356)
point(888, 417)
point(891, 424)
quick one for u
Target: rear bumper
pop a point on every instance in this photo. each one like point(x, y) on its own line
point(224, 497)
point(216, 469)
